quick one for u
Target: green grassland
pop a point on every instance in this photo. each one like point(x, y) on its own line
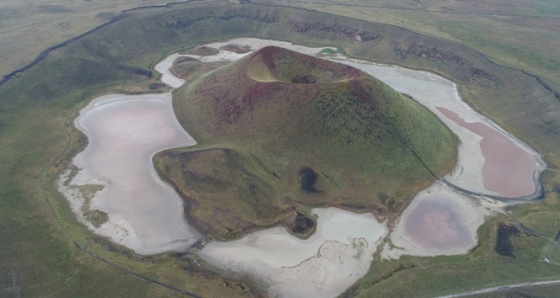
point(276, 112)
point(29, 27)
point(44, 251)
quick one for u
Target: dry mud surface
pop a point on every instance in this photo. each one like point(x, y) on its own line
point(324, 265)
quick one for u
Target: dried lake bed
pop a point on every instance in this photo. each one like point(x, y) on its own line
point(145, 214)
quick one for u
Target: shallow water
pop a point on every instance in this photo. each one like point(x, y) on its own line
point(439, 221)
point(125, 132)
point(508, 169)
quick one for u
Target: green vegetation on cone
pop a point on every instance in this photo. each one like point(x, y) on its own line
point(279, 130)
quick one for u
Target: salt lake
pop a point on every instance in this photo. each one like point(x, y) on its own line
point(146, 215)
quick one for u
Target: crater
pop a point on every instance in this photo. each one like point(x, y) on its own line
point(275, 64)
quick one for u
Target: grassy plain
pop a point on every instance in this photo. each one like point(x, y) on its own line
point(556, 253)
point(27, 28)
point(40, 252)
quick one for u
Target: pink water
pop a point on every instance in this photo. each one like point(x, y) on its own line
point(437, 224)
point(125, 133)
point(508, 169)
